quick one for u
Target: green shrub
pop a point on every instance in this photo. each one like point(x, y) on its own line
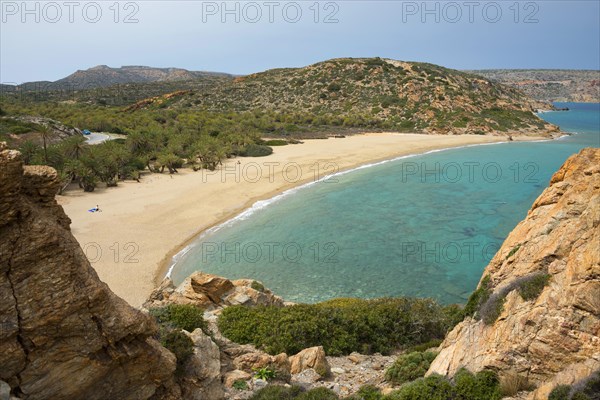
point(368, 392)
point(409, 367)
point(483, 385)
point(277, 392)
point(464, 386)
point(265, 373)
point(561, 392)
point(433, 387)
point(182, 316)
point(240, 384)
point(478, 297)
point(255, 150)
point(320, 393)
point(276, 142)
point(179, 344)
point(341, 326)
point(424, 346)
point(531, 287)
point(256, 285)
point(513, 251)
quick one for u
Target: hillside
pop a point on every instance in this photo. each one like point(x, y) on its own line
point(550, 85)
point(105, 76)
point(387, 94)
point(536, 311)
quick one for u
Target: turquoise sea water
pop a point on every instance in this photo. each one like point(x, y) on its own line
point(423, 226)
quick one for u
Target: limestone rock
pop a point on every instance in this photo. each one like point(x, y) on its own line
point(212, 292)
point(313, 357)
point(236, 375)
point(307, 376)
point(202, 373)
point(63, 333)
point(252, 361)
point(554, 338)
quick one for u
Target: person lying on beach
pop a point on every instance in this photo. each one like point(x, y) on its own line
point(95, 209)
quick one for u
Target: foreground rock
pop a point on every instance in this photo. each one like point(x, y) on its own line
point(64, 334)
point(554, 338)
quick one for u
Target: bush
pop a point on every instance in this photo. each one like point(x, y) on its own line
point(409, 367)
point(586, 389)
point(483, 385)
point(265, 373)
point(465, 386)
point(478, 297)
point(276, 392)
point(531, 287)
point(255, 150)
point(179, 344)
point(341, 326)
point(434, 387)
point(240, 384)
point(491, 309)
point(320, 393)
point(561, 392)
point(276, 142)
point(256, 285)
point(424, 346)
point(181, 316)
point(368, 392)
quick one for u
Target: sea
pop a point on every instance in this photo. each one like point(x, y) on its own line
point(418, 226)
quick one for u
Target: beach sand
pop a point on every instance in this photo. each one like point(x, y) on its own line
point(142, 225)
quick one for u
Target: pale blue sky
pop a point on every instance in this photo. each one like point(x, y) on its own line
point(191, 34)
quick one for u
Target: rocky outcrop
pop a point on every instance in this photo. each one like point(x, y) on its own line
point(212, 292)
point(552, 338)
point(313, 357)
point(63, 333)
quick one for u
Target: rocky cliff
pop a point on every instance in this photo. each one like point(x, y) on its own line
point(63, 333)
point(538, 313)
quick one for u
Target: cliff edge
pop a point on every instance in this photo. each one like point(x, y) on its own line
point(537, 308)
point(63, 333)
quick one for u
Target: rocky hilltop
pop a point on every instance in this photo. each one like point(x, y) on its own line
point(104, 76)
point(537, 309)
point(63, 333)
point(550, 85)
point(376, 92)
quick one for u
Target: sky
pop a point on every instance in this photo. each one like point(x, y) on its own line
point(48, 40)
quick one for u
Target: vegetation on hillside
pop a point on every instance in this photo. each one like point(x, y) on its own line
point(341, 326)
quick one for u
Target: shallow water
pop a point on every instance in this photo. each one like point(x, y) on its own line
point(423, 226)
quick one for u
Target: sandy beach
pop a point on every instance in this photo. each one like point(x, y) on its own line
point(142, 225)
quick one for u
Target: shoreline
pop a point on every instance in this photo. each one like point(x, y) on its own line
point(167, 264)
point(132, 242)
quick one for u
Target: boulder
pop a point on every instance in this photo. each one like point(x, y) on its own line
point(202, 373)
point(252, 361)
point(236, 375)
point(313, 357)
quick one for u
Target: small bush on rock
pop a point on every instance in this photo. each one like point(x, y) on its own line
point(409, 367)
point(181, 316)
point(179, 344)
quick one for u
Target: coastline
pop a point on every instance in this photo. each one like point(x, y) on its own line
point(144, 225)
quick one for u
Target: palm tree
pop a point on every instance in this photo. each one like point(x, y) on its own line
point(45, 133)
point(75, 146)
point(28, 151)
